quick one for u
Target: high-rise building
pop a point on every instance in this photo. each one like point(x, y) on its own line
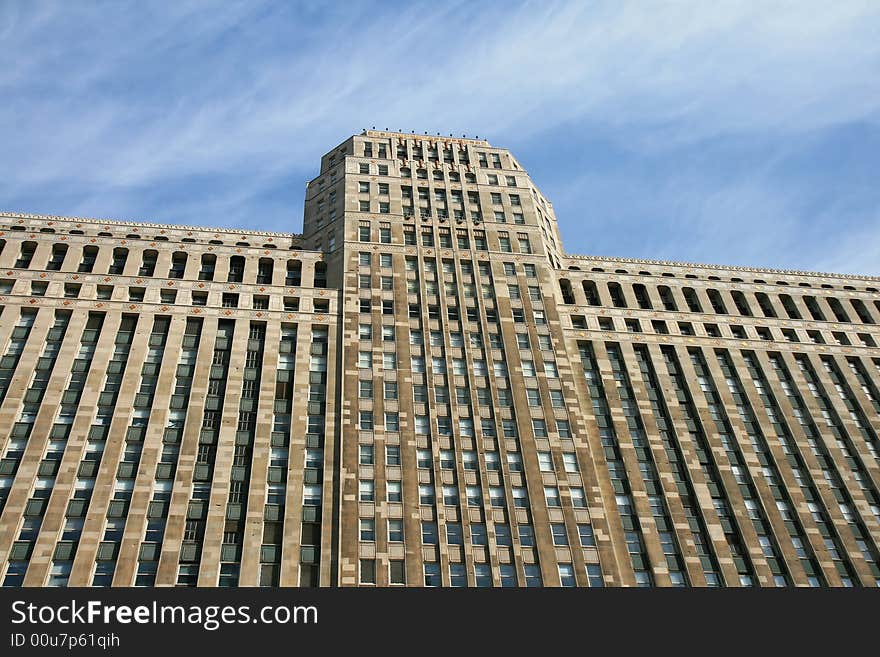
point(424, 389)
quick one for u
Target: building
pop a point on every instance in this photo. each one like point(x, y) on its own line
point(424, 389)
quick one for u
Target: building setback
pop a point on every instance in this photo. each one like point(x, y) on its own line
point(424, 389)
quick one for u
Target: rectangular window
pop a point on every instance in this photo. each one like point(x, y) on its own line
point(368, 571)
point(394, 491)
point(560, 536)
point(566, 575)
point(429, 533)
point(585, 532)
point(396, 572)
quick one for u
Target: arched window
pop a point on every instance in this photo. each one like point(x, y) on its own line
point(666, 297)
point(813, 307)
point(264, 271)
point(742, 304)
point(567, 293)
point(320, 274)
point(294, 273)
point(178, 265)
point(692, 300)
point(717, 302)
point(209, 262)
point(58, 253)
point(236, 269)
point(766, 306)
point(789, 306)
point(25, 255)
point(120, 255)
point(90, 254)
point(592, 293)
point(642, 298)
point(616, 293)
point(862, 311)
point(837, 309)
point(148, 266)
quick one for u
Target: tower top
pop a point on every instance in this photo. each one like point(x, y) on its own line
point(391, 134)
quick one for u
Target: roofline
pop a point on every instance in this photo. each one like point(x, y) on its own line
point(414, 135)
point(125, 222)
point(673, 263)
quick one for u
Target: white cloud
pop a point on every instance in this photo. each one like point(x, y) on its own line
point(112, 98)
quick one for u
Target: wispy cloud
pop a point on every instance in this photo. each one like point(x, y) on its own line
point(217, 113)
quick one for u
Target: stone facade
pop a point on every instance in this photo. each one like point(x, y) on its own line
point(424, 389)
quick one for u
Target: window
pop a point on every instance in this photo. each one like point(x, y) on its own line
point(392, 455)
point(483, 575)
point(496, 496)
point(539, 428)
point(526, 535)
point(545, 461)
point(426, 494)
point(587, 538)
point(551, 496)
point(395, 531)
point(432, 574)
point(396, 572)
point(365, 389)
point(533, 576)
point(566, 575)
point(367, 529)
point(390, 390)
point(533, 395)
point(366, 492)
point(368, 571)
point(394, 491)
point(478, 534)
point(429, 533)
point(563, 428)
point(560, 536)
point(594, 575)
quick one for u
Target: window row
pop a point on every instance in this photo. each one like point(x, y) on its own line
point(721, 302)
point(203, 268)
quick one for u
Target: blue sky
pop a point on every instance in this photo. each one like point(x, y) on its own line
point(724, 132)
